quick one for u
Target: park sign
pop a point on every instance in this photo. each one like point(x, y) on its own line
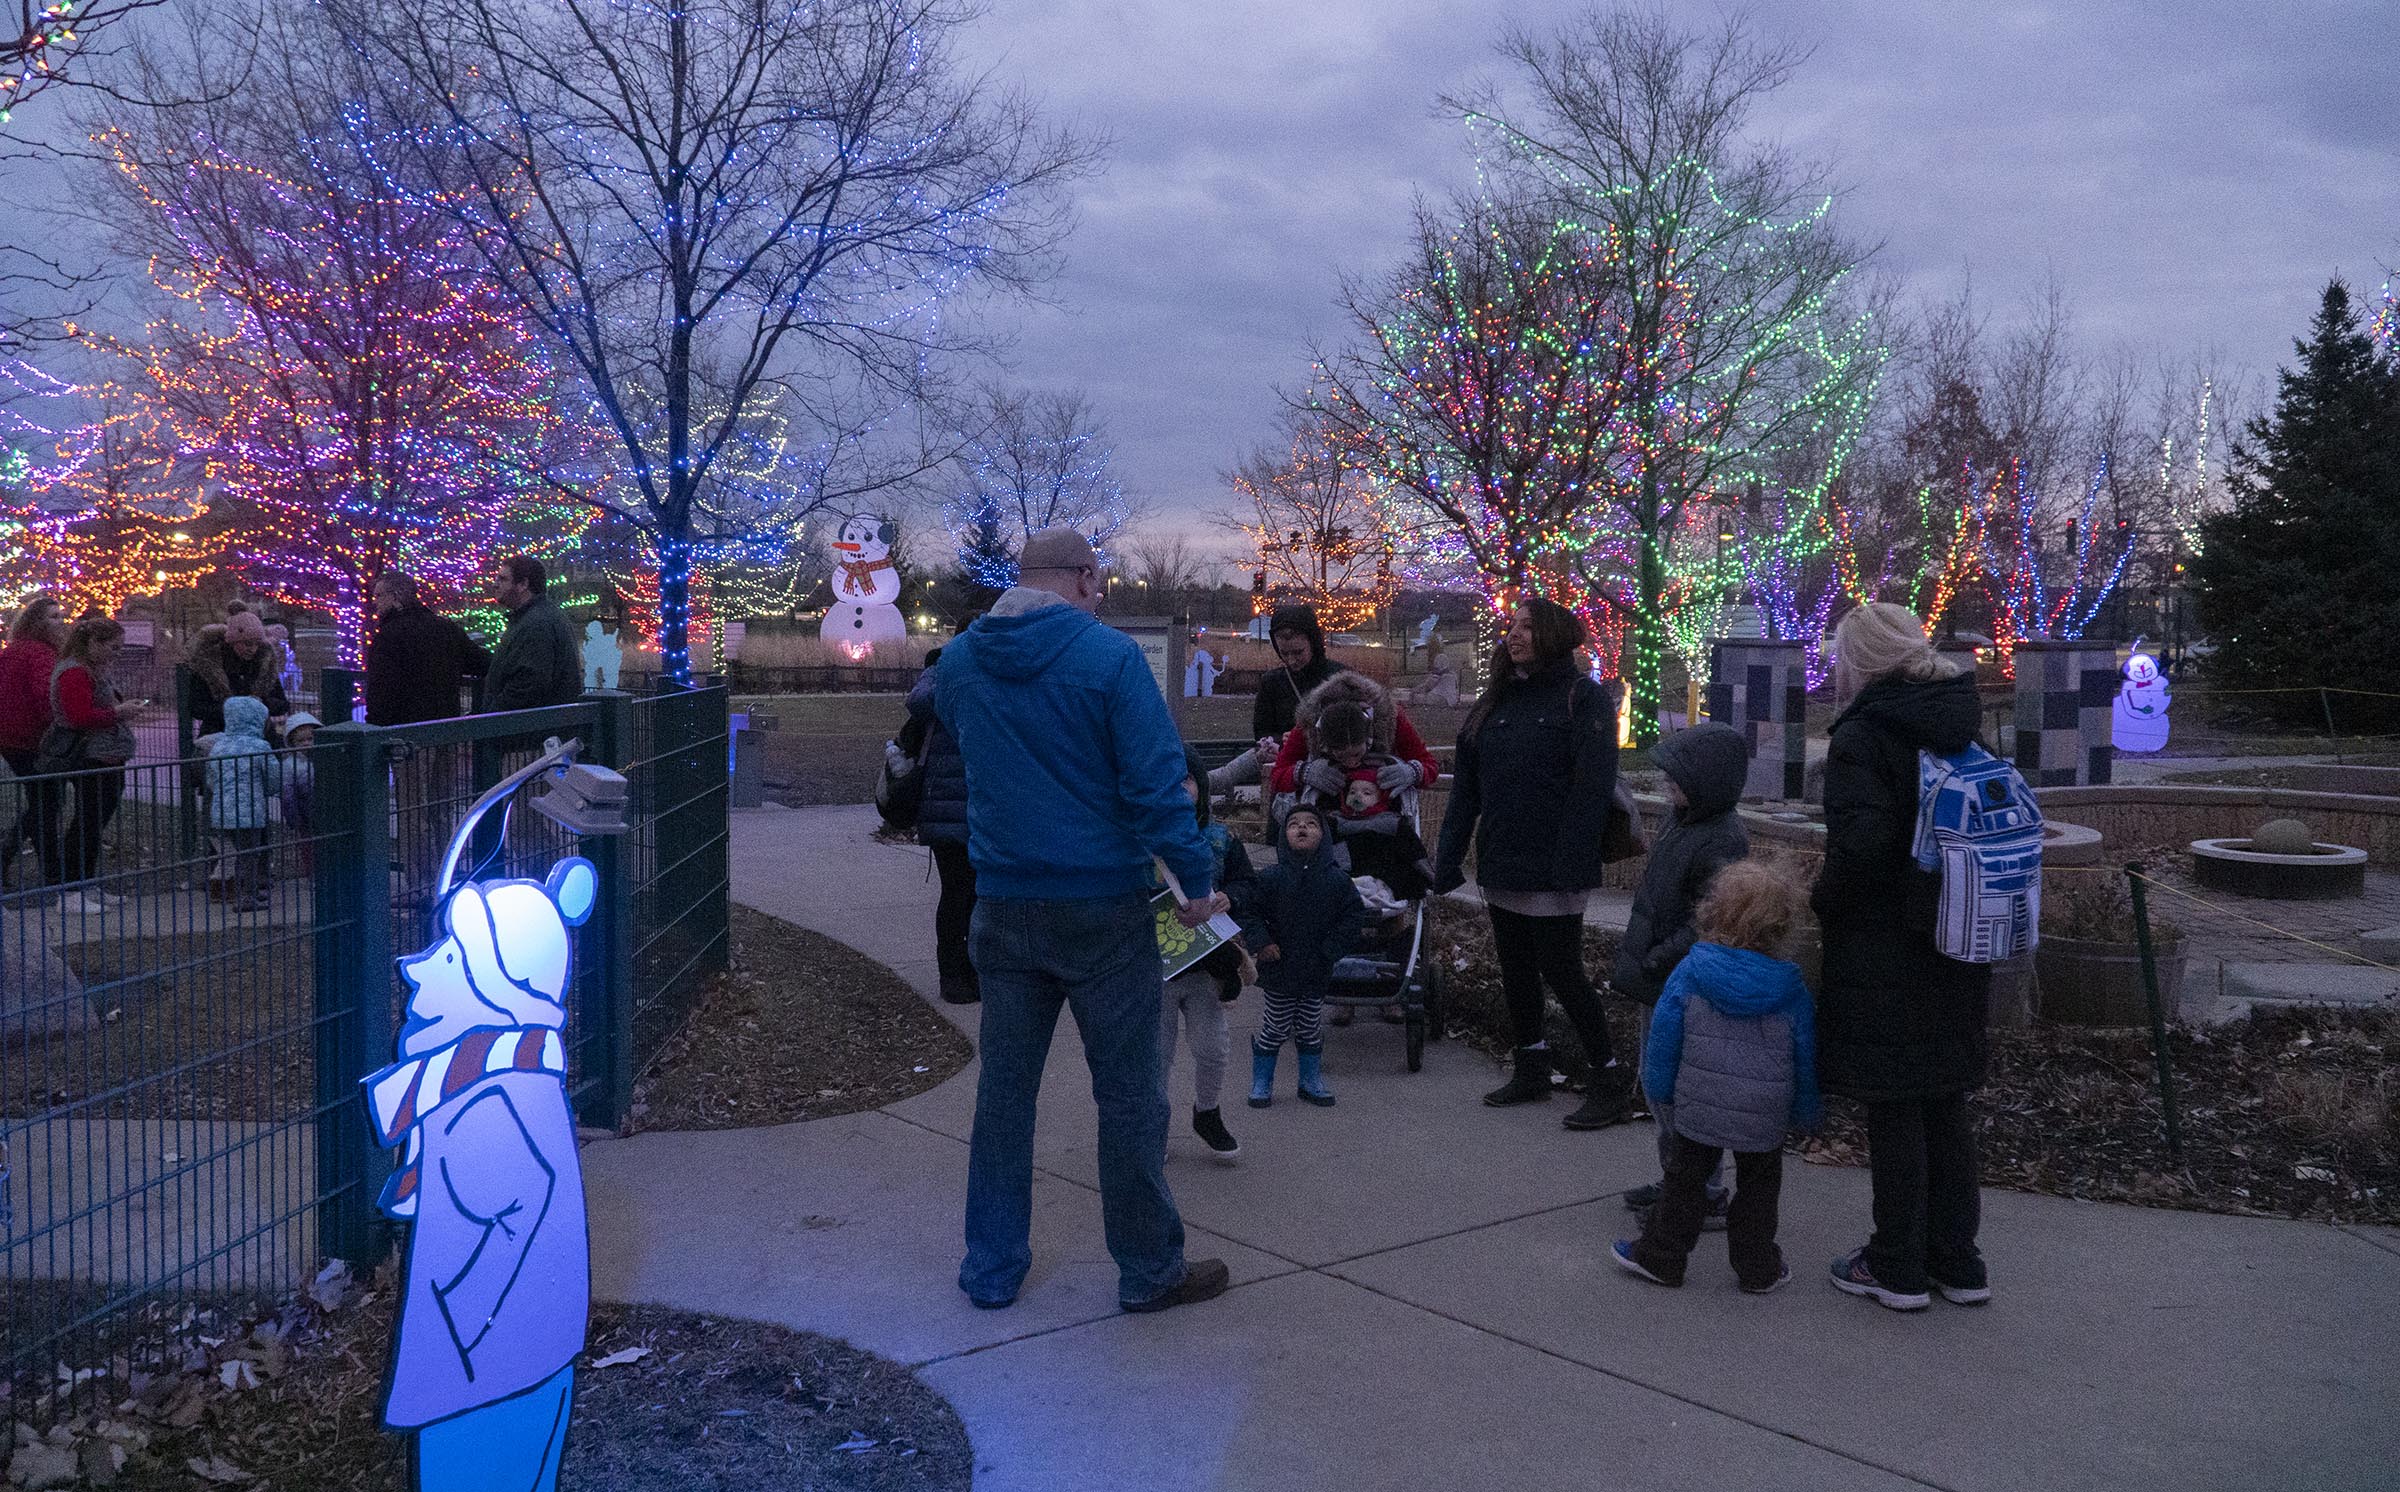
point(1164, 641)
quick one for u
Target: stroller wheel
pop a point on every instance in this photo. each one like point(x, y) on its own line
point(1416, 1041)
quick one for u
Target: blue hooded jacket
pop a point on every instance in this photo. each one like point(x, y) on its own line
point(1074, 770)
point(244, 773)
point(1752, 1065)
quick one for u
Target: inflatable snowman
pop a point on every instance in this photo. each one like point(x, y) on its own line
point(2138, 717)
point(866, 589)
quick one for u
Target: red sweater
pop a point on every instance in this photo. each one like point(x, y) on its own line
point(25, 693)
point(1406, 745)
point(77, 704)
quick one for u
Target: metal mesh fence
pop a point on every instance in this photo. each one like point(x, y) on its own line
point(197, 967)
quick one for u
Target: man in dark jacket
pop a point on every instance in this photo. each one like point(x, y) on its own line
point(942, 828)
point(1705, 766)
point(1900, 1028)
point(1299, 644)
point(419, 659)
point(1074, 789)
point(540, 659)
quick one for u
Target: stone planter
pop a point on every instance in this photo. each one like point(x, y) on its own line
point(2086, 982)
point(2325, 872)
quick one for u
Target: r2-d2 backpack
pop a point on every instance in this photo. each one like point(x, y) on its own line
point(1978, 826)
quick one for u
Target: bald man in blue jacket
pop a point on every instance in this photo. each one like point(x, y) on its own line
point(1074, 783)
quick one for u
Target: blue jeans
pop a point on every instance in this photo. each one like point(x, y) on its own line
point(1100, 958)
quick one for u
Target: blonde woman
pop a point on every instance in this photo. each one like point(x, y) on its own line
point(1900, 1028)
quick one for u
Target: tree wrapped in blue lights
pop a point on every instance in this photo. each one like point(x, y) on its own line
point(725, 205)
point(1035, 460)
point(2038, 589)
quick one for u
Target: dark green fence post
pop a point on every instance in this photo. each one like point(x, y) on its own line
point(337, 695)
point(606, 1012)
point(714, 726)
point(354, 976)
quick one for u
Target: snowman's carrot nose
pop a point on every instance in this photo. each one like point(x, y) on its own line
point(851, 548)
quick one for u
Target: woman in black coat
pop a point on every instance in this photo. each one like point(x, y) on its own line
point(1536, 771)
point(1900, 1028)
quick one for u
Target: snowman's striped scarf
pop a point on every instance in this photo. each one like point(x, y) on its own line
point(403, 1094)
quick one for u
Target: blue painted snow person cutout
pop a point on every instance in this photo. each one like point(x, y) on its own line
point(497, 1285)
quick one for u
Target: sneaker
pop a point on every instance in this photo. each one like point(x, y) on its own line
point(1783, 1277)
point(1209, 1125)
point(1203, 1279)
point(1622, 1252)
point(1963, 1295)
point(1644, 1197)
point(1852, 1277)
point(90, 903)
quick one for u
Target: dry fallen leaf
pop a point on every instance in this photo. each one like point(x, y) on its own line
point(219, 1471)
point(620, 1358)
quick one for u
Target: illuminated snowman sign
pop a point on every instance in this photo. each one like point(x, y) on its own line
point(497, 1284)
point(2138, 717)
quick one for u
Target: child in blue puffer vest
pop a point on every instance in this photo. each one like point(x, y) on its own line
point(245, 777)
point(1731, 1064)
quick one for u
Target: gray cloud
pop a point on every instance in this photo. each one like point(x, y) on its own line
point(2190, 172)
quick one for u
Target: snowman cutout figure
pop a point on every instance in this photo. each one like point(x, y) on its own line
point(496, 1287)
point(866, 589)
point(2138, 716)
point(603, 655)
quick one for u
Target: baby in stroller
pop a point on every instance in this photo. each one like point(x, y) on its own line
point(1359, 786)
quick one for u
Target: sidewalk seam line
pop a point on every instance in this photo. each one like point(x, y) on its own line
point(1632, 1382)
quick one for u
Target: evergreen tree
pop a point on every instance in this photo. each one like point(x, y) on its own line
point(2295, 583)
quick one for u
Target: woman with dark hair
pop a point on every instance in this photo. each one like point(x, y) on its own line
point(25, 666)
point(1536, 771)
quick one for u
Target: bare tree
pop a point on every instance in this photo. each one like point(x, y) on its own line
point(721, 205)
point(53, 43)
point(1731, 301)
point(1164, 565)
point(1031, 462)
point(1316, 532)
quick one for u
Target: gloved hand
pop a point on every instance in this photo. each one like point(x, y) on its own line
point(1399, 777)
point(1324, 777)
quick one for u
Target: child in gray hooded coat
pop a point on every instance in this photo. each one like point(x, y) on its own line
point(1705, 767)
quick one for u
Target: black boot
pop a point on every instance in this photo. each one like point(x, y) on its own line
point(1609, 1101)
point(1529, 1083)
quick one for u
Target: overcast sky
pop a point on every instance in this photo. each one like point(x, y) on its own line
point(2191, 170)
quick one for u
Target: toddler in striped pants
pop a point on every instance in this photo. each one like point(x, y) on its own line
point(1311, 918)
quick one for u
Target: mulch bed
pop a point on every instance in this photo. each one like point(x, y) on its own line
point(802, 1027)
point(2289, 1114)
point(288, 1399)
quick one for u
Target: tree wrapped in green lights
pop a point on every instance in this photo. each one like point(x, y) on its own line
point(1737, 342)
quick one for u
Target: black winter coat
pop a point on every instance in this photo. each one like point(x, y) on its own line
point(1895, 1019)
point(538, 663)
point(416, 665)
point(1709, 762)
point(1311, 913)
point(942, 815)
point(1534, 789)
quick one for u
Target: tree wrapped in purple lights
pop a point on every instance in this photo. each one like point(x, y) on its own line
point(2038, 590)
point(330, 362)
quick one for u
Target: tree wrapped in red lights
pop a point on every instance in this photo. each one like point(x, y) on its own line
point(330, 360)
point(1481, 390)
point(1315, 531)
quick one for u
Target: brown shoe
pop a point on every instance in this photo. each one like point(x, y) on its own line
point(1203, 1279)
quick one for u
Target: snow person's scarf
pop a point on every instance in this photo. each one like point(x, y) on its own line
point(858, 576)
point(404, 1094)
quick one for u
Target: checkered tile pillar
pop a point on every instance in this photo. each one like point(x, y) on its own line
point(1761, 689)
point(2063, 694)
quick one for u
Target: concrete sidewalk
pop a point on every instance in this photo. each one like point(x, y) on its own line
point(1422, 1298)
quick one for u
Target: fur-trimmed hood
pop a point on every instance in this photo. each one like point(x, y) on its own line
point(1383, 716)
point(208, 662)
